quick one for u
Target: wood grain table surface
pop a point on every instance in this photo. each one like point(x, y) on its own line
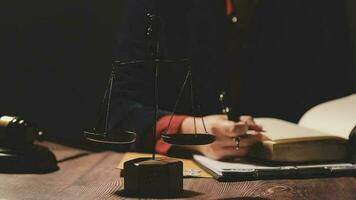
point(93, 175)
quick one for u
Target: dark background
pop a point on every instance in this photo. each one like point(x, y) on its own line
point(56, 57)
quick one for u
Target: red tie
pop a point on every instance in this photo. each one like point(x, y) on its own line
point(229, 7)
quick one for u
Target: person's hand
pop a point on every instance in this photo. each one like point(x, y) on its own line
point(226, 132)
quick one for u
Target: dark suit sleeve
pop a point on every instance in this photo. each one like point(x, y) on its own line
point(133, 95)
point(132, 106)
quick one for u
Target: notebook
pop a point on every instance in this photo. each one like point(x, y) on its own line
point(243, 169)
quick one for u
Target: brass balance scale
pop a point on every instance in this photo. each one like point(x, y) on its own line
point(150, 176)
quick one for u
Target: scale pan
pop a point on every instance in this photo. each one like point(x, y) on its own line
point(188, 138)
point(112, 137)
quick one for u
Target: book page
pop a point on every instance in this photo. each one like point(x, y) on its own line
point(279, 131)
point(336, 117)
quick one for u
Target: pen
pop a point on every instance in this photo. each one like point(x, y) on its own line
point(224, 109)
point(227, 109)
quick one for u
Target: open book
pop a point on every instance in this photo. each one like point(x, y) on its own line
point(323, 135)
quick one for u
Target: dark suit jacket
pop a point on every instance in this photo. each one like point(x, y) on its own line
point(286, 64)
point(190, 29)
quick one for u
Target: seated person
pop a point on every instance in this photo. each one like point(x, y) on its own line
point(196, 30)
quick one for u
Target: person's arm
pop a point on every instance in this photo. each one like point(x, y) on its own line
point(167, 125)
point(132, 106)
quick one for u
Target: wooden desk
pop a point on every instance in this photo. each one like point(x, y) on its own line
point(86, 175)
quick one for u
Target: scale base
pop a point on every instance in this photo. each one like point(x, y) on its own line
point(147, 177)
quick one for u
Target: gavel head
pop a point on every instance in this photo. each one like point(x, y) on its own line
point(16, 132)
